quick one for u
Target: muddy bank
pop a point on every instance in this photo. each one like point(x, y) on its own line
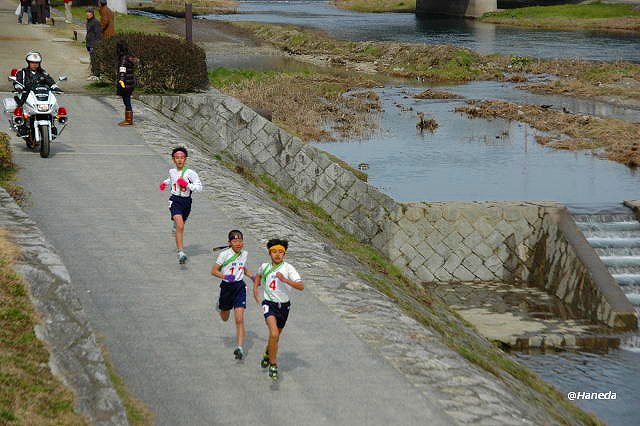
point(614, 139)
point(447, 63)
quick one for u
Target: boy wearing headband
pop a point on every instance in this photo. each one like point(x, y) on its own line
point(276, 278)
point(230, 267)
point(183, 182)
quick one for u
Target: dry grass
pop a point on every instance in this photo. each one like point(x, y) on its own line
point(8, 170)
point(609, 24)
point(377, 5)
point(176, 7)
point(443, 63)
point(621, 140)
point(436, 94)
point(312, 106)
point(29, 393)
point(426, 62)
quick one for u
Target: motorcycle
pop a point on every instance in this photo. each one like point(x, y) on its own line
point(39, 120)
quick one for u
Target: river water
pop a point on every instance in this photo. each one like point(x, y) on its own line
point(407, 27)
point(477, 159)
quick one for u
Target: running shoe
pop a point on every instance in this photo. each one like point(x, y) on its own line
point(238, 353)
point(273, 371)
point(182, 257)
point(265, 360)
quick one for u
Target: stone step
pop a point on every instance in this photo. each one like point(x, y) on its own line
point(621, 261)
point(605, 242)
point(609, 227)
point(627, 280)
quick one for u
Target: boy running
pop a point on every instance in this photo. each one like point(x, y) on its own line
point(230, 267)
point(183, 182)
point(277, 278)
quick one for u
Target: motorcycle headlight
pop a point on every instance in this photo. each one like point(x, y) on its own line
point(43, 108)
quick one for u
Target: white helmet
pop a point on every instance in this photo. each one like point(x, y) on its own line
point(33, 57)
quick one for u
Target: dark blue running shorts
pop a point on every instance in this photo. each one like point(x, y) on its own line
point(278, 310)
point(180, 205)
point(232, 295)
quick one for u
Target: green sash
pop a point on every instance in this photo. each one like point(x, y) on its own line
point(231, 259)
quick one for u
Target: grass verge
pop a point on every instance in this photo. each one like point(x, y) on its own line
point(420, 304)
point(621, 140)
point(8, 170)
point(125, 23)
point(29, 393)
point(311, 105)
point(597, 15)
point(199, 7)
point(377, 6)
point(138, 414)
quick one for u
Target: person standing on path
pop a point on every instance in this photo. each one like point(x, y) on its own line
point(106, 20)
point(126, 80)
point(40, 17)
point(230, 267)
point(25, 7)
point(68, 17)
point(94, 32)
point(276, 278)
point(183, 182)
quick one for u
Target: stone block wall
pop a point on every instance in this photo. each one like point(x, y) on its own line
point(432, 242)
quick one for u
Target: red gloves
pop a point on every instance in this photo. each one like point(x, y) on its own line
point(182, 182)
point(163, 186)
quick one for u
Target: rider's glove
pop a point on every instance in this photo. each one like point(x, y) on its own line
point(163, 186)
point(121, 83)
point(230, 278)
point(182, 182)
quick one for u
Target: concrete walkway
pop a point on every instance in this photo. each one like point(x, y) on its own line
point(96, 199)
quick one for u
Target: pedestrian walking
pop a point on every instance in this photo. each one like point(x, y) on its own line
point(276, 278)
point(126, 79)
point(106, 20)
point(39, 16)
point(94, 33)
point(183, 182)
point(231, 268)
point(25, 7)
point(68, 17)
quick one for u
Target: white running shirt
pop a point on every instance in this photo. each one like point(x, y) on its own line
point(274, 289)
point(189, 175)
point(236, 266)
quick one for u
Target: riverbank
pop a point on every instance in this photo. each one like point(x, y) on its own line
point(376, 6)
point(591, 16)
point(619, 140)
point(177, 8)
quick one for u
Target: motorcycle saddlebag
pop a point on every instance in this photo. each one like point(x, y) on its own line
point(9, 104)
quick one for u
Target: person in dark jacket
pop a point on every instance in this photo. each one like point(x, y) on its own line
point(94, 30)
point(126, 79)
point(38, 11)
point(32, 76)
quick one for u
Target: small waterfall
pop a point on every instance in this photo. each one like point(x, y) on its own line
point(615, 236)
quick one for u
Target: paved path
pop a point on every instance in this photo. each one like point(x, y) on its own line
point(95, 198)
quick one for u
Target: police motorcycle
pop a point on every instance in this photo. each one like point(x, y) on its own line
point(39, 119)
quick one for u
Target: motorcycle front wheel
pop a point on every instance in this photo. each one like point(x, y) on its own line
point(44, 141)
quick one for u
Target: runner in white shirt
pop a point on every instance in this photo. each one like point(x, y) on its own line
point(276, 278)
point(183, 182)
point(230, 267)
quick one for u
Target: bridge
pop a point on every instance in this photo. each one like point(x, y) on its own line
point(476, 8)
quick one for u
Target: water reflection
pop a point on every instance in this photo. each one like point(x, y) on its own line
point(617, 371)
point(407, 27)
point(475, 159)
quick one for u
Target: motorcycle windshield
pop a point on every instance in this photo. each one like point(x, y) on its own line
point(41, 92)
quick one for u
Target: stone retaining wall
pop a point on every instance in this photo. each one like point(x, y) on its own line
point(444, 242)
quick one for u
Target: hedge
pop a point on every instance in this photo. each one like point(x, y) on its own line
point(167, 64)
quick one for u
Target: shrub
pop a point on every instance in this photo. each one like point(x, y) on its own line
point(167, 64)
point(6, 162)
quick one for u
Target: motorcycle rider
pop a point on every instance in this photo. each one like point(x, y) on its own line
point(32, 76)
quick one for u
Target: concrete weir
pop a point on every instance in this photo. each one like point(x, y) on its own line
point(465, 8)
point(524, 244)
